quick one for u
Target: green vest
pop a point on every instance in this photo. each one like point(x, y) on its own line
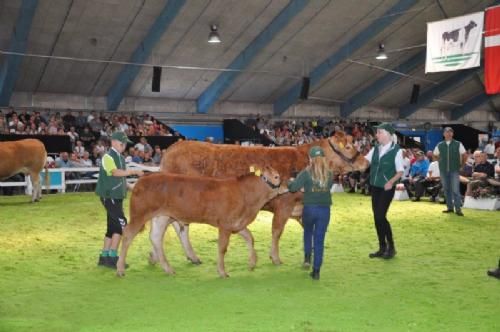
point(109, 186)
point(449, 156)
point(384, 168)
point(313, 193)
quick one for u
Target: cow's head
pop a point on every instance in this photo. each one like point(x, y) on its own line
point(342, 155)
point(272, 178)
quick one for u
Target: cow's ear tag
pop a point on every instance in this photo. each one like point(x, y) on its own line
point(251, 169)
point(258, 172)
point(341, 145)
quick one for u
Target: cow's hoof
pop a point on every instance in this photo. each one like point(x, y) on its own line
point(276, 261)
point(170, 272)
point(152, 259)
point(224, 275)
point(195, 261)
point(120, 274)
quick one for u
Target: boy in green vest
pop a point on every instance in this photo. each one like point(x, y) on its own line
point(452, 156)
point(112, 189)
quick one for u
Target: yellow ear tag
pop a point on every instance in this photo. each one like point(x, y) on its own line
point(252, 169)
point(257, 172)
point(341, 145)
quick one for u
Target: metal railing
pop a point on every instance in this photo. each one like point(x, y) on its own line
point(59, 179)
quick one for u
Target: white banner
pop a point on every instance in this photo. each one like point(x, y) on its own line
point(455, 43)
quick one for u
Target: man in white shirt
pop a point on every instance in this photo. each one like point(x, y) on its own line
point(431, 183)
point(489, 149)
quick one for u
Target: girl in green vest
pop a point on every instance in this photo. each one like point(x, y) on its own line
point(386, 168)
point(316, 180)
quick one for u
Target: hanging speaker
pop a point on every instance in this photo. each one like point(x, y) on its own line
point(415, 92)
point(155, 86)
point(304, 91)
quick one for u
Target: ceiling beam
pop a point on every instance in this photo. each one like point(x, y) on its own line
point(371, 31)
point(210, 96)
point(142, 52)
point(436, 91)
point(469, 106)
point(10, 68)
point(363, 97)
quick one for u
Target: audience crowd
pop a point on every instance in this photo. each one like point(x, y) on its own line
point(89, 133)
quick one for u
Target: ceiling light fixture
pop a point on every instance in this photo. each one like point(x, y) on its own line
point(213, 36)
point(381, 55)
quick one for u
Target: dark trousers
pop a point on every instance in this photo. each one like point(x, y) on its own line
point(381, 200)
point(115, 217)
point(422, 186)
point(315, 219)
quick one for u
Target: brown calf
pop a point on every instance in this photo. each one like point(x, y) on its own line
point(25, 156)
point(229, 204)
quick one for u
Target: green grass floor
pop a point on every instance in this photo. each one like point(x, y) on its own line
point(49, 280)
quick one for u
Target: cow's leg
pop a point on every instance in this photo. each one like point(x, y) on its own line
point(223, 244)
point(183, 234)
point(158, 227)
point(279, 220)
point(36, 186)
point(252, 257)
point(129, 233)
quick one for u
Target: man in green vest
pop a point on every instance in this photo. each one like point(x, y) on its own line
point(112, 189)
point(451, 155)
point(386, 168)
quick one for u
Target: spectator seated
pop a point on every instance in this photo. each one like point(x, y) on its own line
point(431, 184)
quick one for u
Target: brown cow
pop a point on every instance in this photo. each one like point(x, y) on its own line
point(26, 156)
point(198, 158)
point(229, 204)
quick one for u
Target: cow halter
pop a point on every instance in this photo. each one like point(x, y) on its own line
point(269, 183)
point(342, 156)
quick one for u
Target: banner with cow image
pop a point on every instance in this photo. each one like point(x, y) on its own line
point(455, 43)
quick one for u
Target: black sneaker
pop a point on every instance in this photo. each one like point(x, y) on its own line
point(315, 274)
point(447, 211)
point(377, 254)
point(495, 273)
point(307, 262)
point(111, 261)
point(102, 260)
point(459, 213)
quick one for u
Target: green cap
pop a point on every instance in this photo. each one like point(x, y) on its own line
point(121, 136)
point(387, 127)
point(316, 151)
